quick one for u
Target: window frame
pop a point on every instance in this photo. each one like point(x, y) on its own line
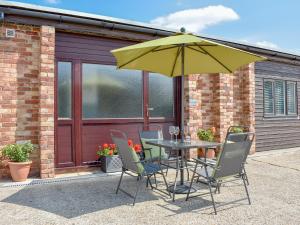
point(296, 98)
point(286, 114)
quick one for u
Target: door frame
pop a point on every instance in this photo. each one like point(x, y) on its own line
point(78, 122)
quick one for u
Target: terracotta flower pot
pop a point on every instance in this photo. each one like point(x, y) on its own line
point(210, 153)
point(19, 170)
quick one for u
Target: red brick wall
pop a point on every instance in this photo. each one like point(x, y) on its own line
point(222, 100)
point(46, 110)
point(21, 117)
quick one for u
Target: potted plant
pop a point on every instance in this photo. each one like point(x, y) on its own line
point(237, 130)
point(109, 158)
point(18, 156)
point(206, 135)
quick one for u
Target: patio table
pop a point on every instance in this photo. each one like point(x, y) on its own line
point(181, 147)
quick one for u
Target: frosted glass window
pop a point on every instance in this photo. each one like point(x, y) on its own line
point(111, 93)
point(161, 96)
point(64, 86)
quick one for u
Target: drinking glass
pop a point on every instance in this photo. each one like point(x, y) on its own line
point(176, 132)
point(171, 132)
point(187, 134)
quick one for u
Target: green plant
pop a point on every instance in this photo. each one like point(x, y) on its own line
point(206, 134)
point(18, 152)
point(107, 150)
point(237, 130)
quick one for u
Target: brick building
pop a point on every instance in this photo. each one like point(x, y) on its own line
point(57, 73)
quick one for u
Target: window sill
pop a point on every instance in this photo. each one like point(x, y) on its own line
point(284, 117)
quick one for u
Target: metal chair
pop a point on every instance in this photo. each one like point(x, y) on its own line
point(155, 153)
point(133, 166)
point(229, 165)
point(231, 130)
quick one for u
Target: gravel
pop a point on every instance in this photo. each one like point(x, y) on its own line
point(274, 191)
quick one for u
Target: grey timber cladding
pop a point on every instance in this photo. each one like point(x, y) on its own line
point(275, 132)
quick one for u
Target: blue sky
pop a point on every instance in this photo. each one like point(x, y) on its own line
point(267, 23)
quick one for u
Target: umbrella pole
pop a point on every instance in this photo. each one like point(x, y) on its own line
point(182, 94)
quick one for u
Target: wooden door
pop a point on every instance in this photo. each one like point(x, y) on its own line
point(93, 97)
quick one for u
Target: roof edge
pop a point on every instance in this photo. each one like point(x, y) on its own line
point(144, 27)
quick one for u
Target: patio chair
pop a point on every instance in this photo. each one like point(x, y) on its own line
point(133, 166)
point(155, 153)
point(232, 137)
point(229, 165)
point(231, 130)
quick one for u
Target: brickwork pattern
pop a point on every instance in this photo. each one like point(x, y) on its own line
point(221, 100)
point(19, 87)
point(46, 109)
point(27, 93)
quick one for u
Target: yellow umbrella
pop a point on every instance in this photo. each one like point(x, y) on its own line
point(183, 54)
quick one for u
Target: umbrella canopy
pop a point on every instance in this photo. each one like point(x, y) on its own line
point(166, 56)
point(180, 55)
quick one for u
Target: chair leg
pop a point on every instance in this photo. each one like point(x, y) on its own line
point(167, 170)
point(216, 190)
point(162, 173)
point(138, 184)
point(120, 182)
point(212, 197)
point(155, 181)
point(191, 183)
point(149, 180)
point(210, 190)
point(246, 189)
point(246, 177)
point(187, 170)
point(168, 164)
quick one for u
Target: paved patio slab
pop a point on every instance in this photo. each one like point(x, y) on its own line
point(274, 189)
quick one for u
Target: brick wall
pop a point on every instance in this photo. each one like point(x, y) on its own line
point(46, 109)
point(220, 100)
point(21, 117)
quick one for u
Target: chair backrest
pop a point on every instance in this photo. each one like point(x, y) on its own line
point(231, 130)
point(154, 132)
point(150, 135)
point(233, 155)
point(129, 158)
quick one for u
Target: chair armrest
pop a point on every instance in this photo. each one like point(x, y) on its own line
point(205, 163)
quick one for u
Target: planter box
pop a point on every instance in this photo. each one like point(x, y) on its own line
point(111, 164)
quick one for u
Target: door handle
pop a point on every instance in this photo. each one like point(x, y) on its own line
point(149, 109)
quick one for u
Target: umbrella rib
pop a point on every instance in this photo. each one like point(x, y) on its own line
point(205, 45)
point(157, 50)
point(230, 71)
point(189, 47)
point(135, 58)
point(177, 54)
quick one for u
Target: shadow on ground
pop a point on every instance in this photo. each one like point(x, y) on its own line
point(76, 198)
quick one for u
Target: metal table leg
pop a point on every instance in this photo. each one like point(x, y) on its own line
point(181, 187)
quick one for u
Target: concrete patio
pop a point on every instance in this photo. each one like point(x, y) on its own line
point(274, 190)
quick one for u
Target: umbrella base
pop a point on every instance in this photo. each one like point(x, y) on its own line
point(181, 189)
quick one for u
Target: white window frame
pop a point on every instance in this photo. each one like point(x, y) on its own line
point(295, 98)
point(286, 114)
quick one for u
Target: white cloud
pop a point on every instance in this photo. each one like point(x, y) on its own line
point(195, 20)
point(266, 44)
point(52, 1)
point(262, 44)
